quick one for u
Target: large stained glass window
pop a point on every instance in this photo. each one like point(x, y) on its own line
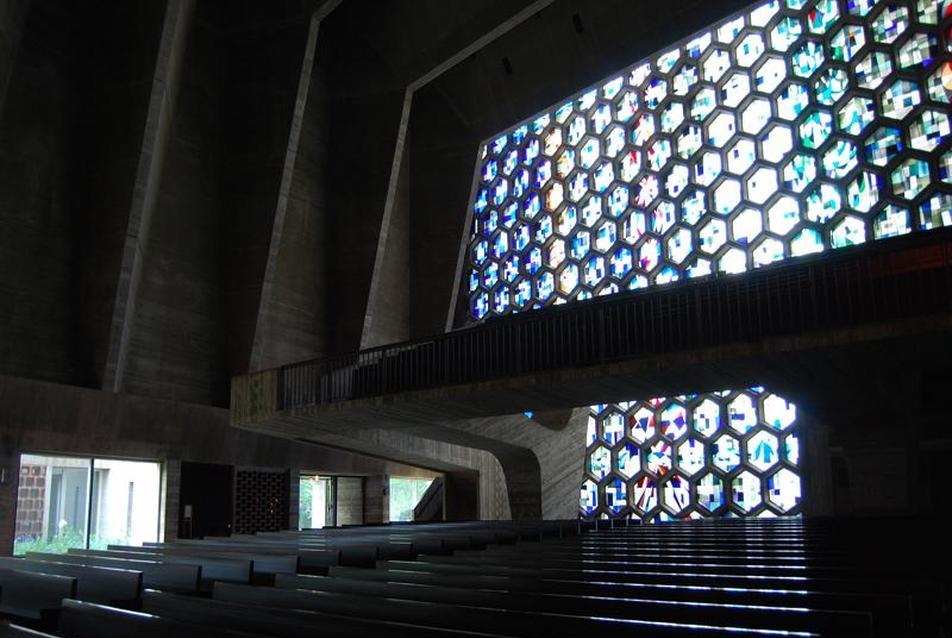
point(795, 127)
point(699, 456)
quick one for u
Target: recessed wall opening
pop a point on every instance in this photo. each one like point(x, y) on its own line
point(405, 493)
point(318, 504)
point(718, 454)
point(68, 502)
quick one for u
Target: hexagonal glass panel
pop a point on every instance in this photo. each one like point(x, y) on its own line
point(890, 23)
point(792, 100)
point(747, 226)
point(745, 492)
point(856, 114)
point(716, 65)
point(929, 130)
point(710, 492)
point(616, 495)
point(873, 69)
point(645, 494)
point(849, 231)
point(883, 145)
point(807, 58)
point(910, 178)
point(725, 453)
point(600, 462)
point(628, 461)
point(823, 203)
point(807, 242)
point(763, 450)
point(777, 143)
point(799, 172)
point(919, 50)
point(847, 42)
point(767, 251)
point(706, 417)
point(674, 421)
point(939, 84)
point(741, 156)
point(783, 490)
point(588, 498)
point(658, 459)
point(769, 75)
point(676, 494)
point(761, 185)
point(936, 212)
point(733, 261)
point(893, 221)
point(899, 99)
point(643, 424)
point(742, 413)
point(815, 129)
point(840, 159)
point(691, 456)
point(779, 413)
point(703, 104)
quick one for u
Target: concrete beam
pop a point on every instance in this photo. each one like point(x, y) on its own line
point(841, 363)
point(12, 18)
point(372, 333)
point(287, 176)
point(165, 85)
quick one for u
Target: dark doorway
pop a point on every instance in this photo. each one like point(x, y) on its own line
point(206, 496)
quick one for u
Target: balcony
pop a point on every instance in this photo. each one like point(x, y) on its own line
point(807, 321)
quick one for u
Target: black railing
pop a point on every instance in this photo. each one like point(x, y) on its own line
point(881, 281)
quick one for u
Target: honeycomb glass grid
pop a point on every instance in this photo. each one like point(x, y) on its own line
point(730, 453)
point(792, 128)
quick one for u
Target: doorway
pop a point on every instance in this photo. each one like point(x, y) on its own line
point(318, 502)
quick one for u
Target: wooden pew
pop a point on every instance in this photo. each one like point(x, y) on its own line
point(95, 584)
point(16, 631)
point(34, 596)
point(89, 620)
point(660, 609)
point(173, 577)
point(265, 565)
point(282, 623)
point(214, 568)
point(891, 609)
point(457, 617)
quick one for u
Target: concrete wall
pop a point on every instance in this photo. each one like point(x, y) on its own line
point(50, 418)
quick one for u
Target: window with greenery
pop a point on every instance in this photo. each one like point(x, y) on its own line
point(65, 502)
point(405, 493)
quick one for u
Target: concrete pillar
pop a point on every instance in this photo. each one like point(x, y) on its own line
point(377, 499)
point(350, 500)
point(294, 497)
point(816, 464)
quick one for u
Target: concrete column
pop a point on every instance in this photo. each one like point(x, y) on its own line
point(165, 86)
point(12, 17)
point(294, 497)
point(816, 464)
point(171, 491)
point(350, 500)
point(377, 499)
point(10, 468)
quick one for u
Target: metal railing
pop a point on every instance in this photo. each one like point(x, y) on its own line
point(880, 281)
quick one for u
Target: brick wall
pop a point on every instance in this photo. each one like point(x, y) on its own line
point(31, 500)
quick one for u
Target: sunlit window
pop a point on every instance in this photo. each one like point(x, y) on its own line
point(795, 127)
point(405, 493)
point(697, 456)
point(68, 502)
